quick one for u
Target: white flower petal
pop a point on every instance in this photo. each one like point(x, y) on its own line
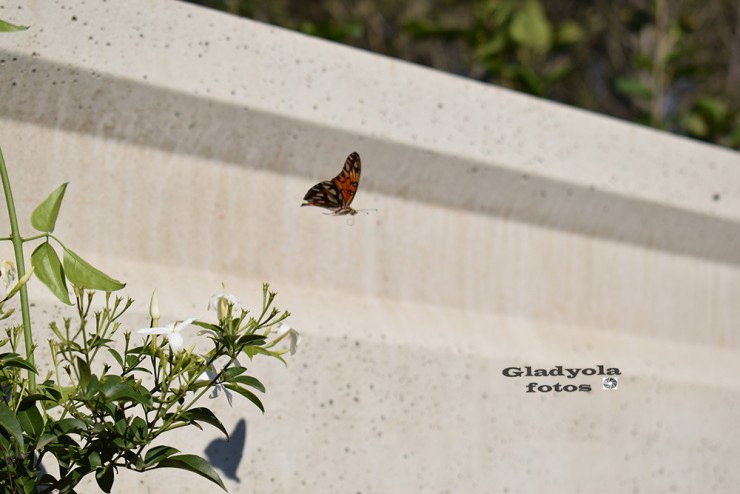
point(172, 332)
point(176, 341)
point(220, 302)
point(216, 300)
point(295, 340)
point(154, 330)
point(7, 272)
point(281, 329)
point(295, 337)
point(177, 327)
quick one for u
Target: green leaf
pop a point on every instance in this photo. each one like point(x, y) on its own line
point(64, 426)
point(104, 478)
point(49, 271)
point(251, 340)
point(569, 32)
point(50, 391)
point(251, 351)
point(83, 275)
point(159, 453)
point(9, 422)
point(15, 360)
point(84, 370)
point(732, 139)
point(116, 356)
point(714, 110)
point(67, 482)
point(31, 421)
point(140, 429)
point(44, 217)
point(120, 427)
point(93, 460)
point(6, 27)
point(30, 400)
point(115, 390)
point(633, 87)
point(28, 486)
point(249, 381)
point(425, 29)
point(47, 480)
point(192, 463)
point(531, 28)
point(495, 46)
point(205, 325)
point(232, 372)
point(695, 124)
point(247, 394)
point(203, 414)
point(530, 80)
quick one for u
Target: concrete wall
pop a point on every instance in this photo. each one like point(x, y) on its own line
point(510, 231)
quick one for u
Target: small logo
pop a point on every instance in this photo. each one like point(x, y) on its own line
point(609, 383)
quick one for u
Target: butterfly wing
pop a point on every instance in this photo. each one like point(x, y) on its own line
point(337, 194)
point(324, 195)
point(348, 179)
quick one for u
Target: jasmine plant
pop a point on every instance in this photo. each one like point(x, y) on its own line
point(112, 393)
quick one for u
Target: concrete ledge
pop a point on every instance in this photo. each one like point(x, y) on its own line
point(573, 199)
point(510, 231)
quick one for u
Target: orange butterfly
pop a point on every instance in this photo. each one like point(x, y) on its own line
point(336, 195)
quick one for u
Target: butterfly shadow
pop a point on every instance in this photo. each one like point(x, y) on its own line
point(226, 454)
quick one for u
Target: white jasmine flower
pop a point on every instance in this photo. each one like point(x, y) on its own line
point(7, 273)
point(282, 330)
point(220, 303)
point(171, 332)
point(218, 386)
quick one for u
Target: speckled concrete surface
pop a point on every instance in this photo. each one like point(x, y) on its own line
point(509, 232)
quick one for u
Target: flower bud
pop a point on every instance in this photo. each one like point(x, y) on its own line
point(154, 308)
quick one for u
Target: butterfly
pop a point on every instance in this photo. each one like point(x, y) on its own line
point(336, 194)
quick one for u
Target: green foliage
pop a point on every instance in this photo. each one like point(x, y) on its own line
point(44, 217)
point(531, 28)
point(81, 274)
point(99, 422)
point(191, 463)
point(49, 271)
point(712, 119)
point(512, 43)
point(333, 31)
point(46, 262)
point(107, 401)
point(6, 27)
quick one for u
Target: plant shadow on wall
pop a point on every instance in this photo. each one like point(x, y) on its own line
point(110, 396)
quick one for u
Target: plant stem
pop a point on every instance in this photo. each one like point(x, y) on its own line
point(17, 240)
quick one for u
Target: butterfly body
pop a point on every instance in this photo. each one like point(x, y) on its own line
point(337, 194)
